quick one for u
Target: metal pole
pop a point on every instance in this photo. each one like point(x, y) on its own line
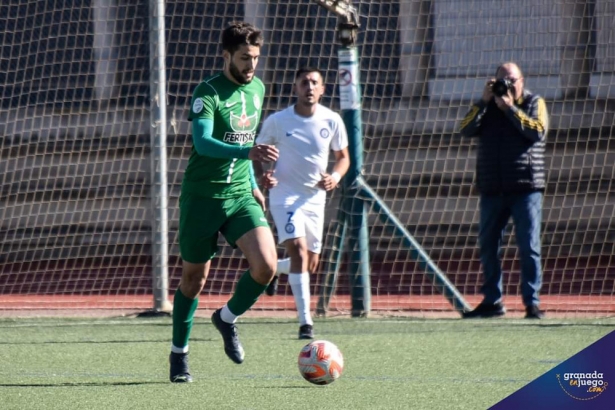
point(158, 134)
point(352, 204)
point(356, 218)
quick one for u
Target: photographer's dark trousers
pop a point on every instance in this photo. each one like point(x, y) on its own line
point(526, 212)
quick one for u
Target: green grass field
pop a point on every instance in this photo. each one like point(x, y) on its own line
point(121, 363)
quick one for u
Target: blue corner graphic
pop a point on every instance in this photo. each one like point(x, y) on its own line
point(586, 381)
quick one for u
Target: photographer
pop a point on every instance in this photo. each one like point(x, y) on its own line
point(511, 124)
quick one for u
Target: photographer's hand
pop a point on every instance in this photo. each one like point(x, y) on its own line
point(487, 93)
point(504, 102)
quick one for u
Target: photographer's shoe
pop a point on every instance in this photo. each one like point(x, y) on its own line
point(485, 310)
point(533, 312)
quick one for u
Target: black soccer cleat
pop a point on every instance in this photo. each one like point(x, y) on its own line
point(306, 332)
point(485, 310)
point(272, 289)
point(232, 346)
point(179, 368)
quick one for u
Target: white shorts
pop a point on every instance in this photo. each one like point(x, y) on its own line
point(292, 221)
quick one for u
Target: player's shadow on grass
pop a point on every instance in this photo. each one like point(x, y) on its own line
point(84, 384)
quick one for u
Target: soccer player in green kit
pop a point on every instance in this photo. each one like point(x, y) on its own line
point(219, 195)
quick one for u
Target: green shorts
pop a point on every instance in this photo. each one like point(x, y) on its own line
point(200, 220)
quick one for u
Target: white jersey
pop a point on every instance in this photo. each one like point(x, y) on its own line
point(304, 144)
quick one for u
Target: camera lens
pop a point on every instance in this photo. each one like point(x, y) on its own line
point(500, 87)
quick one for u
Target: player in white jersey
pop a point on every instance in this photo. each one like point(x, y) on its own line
point(305, 134)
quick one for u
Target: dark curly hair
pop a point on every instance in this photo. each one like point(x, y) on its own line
point(239, 33)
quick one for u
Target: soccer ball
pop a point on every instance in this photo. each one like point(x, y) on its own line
point(321, 362)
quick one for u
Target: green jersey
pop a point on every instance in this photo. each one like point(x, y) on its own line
point(235, 111)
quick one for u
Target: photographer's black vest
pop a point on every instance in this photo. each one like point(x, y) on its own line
point(508, 162)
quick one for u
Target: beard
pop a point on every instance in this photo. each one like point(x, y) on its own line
point(240, 77)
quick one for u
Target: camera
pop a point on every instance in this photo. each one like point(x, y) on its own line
point(500, 87)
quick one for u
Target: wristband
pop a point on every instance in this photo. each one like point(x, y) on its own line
point(336, 176)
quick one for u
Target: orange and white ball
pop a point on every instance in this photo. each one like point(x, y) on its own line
point(321, 362)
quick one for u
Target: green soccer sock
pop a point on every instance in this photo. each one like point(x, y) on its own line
point(183, 316)
point(246, 294)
